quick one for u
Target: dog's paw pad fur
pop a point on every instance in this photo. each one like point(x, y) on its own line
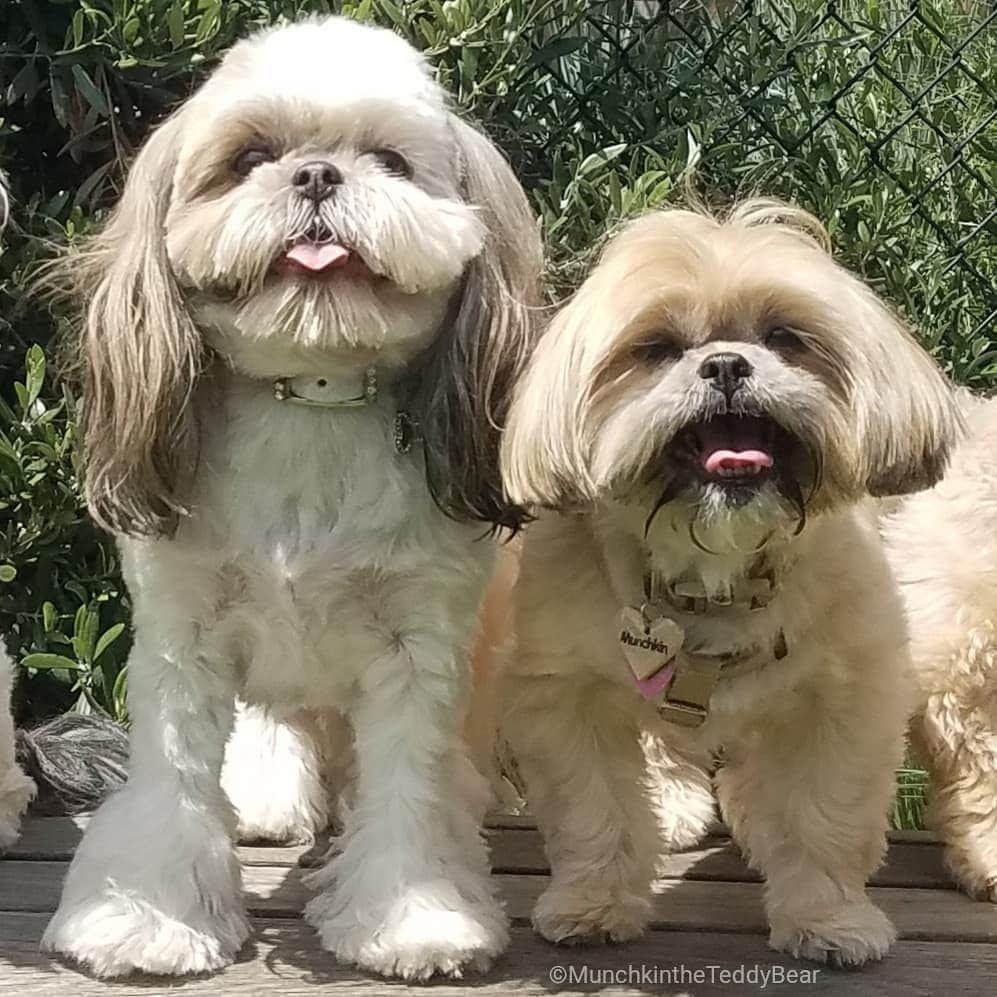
point(414, 941)
point(850, 936)
point(580, 915)
point(117, 934)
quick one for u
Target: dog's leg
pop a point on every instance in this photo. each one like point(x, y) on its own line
point(16, 789)
point(154, 885)
point(807, 801)
point(958, 735)
point(410, 894)
point(576, 744)
point(274, 775)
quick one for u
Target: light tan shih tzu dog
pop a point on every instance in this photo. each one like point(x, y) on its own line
point(300, 325)
point(943, 547)
point(16, 789)
point(709, 414)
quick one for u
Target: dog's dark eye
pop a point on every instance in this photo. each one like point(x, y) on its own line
point(394, 162)
point(783, 339)
point(655, 351)
point(253, 155)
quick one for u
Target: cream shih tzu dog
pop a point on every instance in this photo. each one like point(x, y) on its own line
point(709, 415)
point(16, 789)
point(299, 329)
point(943, 547)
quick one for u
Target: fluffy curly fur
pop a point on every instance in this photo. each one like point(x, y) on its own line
point(16, 789)
point(621, 386)
point(943, 547)
point(287, 553)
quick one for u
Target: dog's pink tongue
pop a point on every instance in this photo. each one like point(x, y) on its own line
point(316, 257)
point(730, 460)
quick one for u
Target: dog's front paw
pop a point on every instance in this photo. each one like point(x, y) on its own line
point(427, 931)
point(116, 933)
point(582, 913)
point(974, 869)
point(850, 935)
point(152, 887)
point(16, 792)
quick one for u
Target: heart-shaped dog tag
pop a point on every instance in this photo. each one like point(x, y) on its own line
point(650, 647)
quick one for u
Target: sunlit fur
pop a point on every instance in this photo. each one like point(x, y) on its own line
point(16, 789)
point(943, 547)
point(286, 554)
point(810, 739)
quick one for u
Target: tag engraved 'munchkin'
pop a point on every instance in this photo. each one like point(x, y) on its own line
point(650, 646)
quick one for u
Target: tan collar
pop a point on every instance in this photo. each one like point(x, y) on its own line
point(681, 682)
point(334, 391)
point(328, 390)
point(688, 595)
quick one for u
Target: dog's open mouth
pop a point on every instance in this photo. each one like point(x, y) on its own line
point(732, 449)
point(318, 254)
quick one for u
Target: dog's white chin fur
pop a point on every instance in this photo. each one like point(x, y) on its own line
point(16, 789)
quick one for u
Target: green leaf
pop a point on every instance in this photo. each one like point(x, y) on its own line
point(175, 24)
point(107, 638)
point(119, 696)
point(90, 91)
point(34, 365)
point(46, 662)
point(556, 49)
point(7, 572)
point(597, 160)
point(85, 633)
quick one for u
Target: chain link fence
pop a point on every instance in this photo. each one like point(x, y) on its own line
point(879, 115)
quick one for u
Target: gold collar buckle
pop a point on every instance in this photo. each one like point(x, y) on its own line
point(316, 391)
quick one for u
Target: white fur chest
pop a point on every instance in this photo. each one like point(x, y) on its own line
point(310, 538)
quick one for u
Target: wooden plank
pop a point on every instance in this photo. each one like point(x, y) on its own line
point(56, 838)
point(284, 959)
point(681, 905)
point(916, 865)
point(519, 850)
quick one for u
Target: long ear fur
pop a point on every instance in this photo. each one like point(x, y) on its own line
point(466, 379)
point(544, 457)
point(138, 357)
point(906, 411)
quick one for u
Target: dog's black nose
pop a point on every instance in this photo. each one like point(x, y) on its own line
point(317, 180)
point(726, 371)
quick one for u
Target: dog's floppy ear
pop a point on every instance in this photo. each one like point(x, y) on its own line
point(545, 460)
point(906, 412)
point(139, 354)
point(466, 379)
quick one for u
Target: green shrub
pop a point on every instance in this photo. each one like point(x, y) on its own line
point(62, 603)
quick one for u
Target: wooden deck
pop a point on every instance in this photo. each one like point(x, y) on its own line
point(708, 920)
